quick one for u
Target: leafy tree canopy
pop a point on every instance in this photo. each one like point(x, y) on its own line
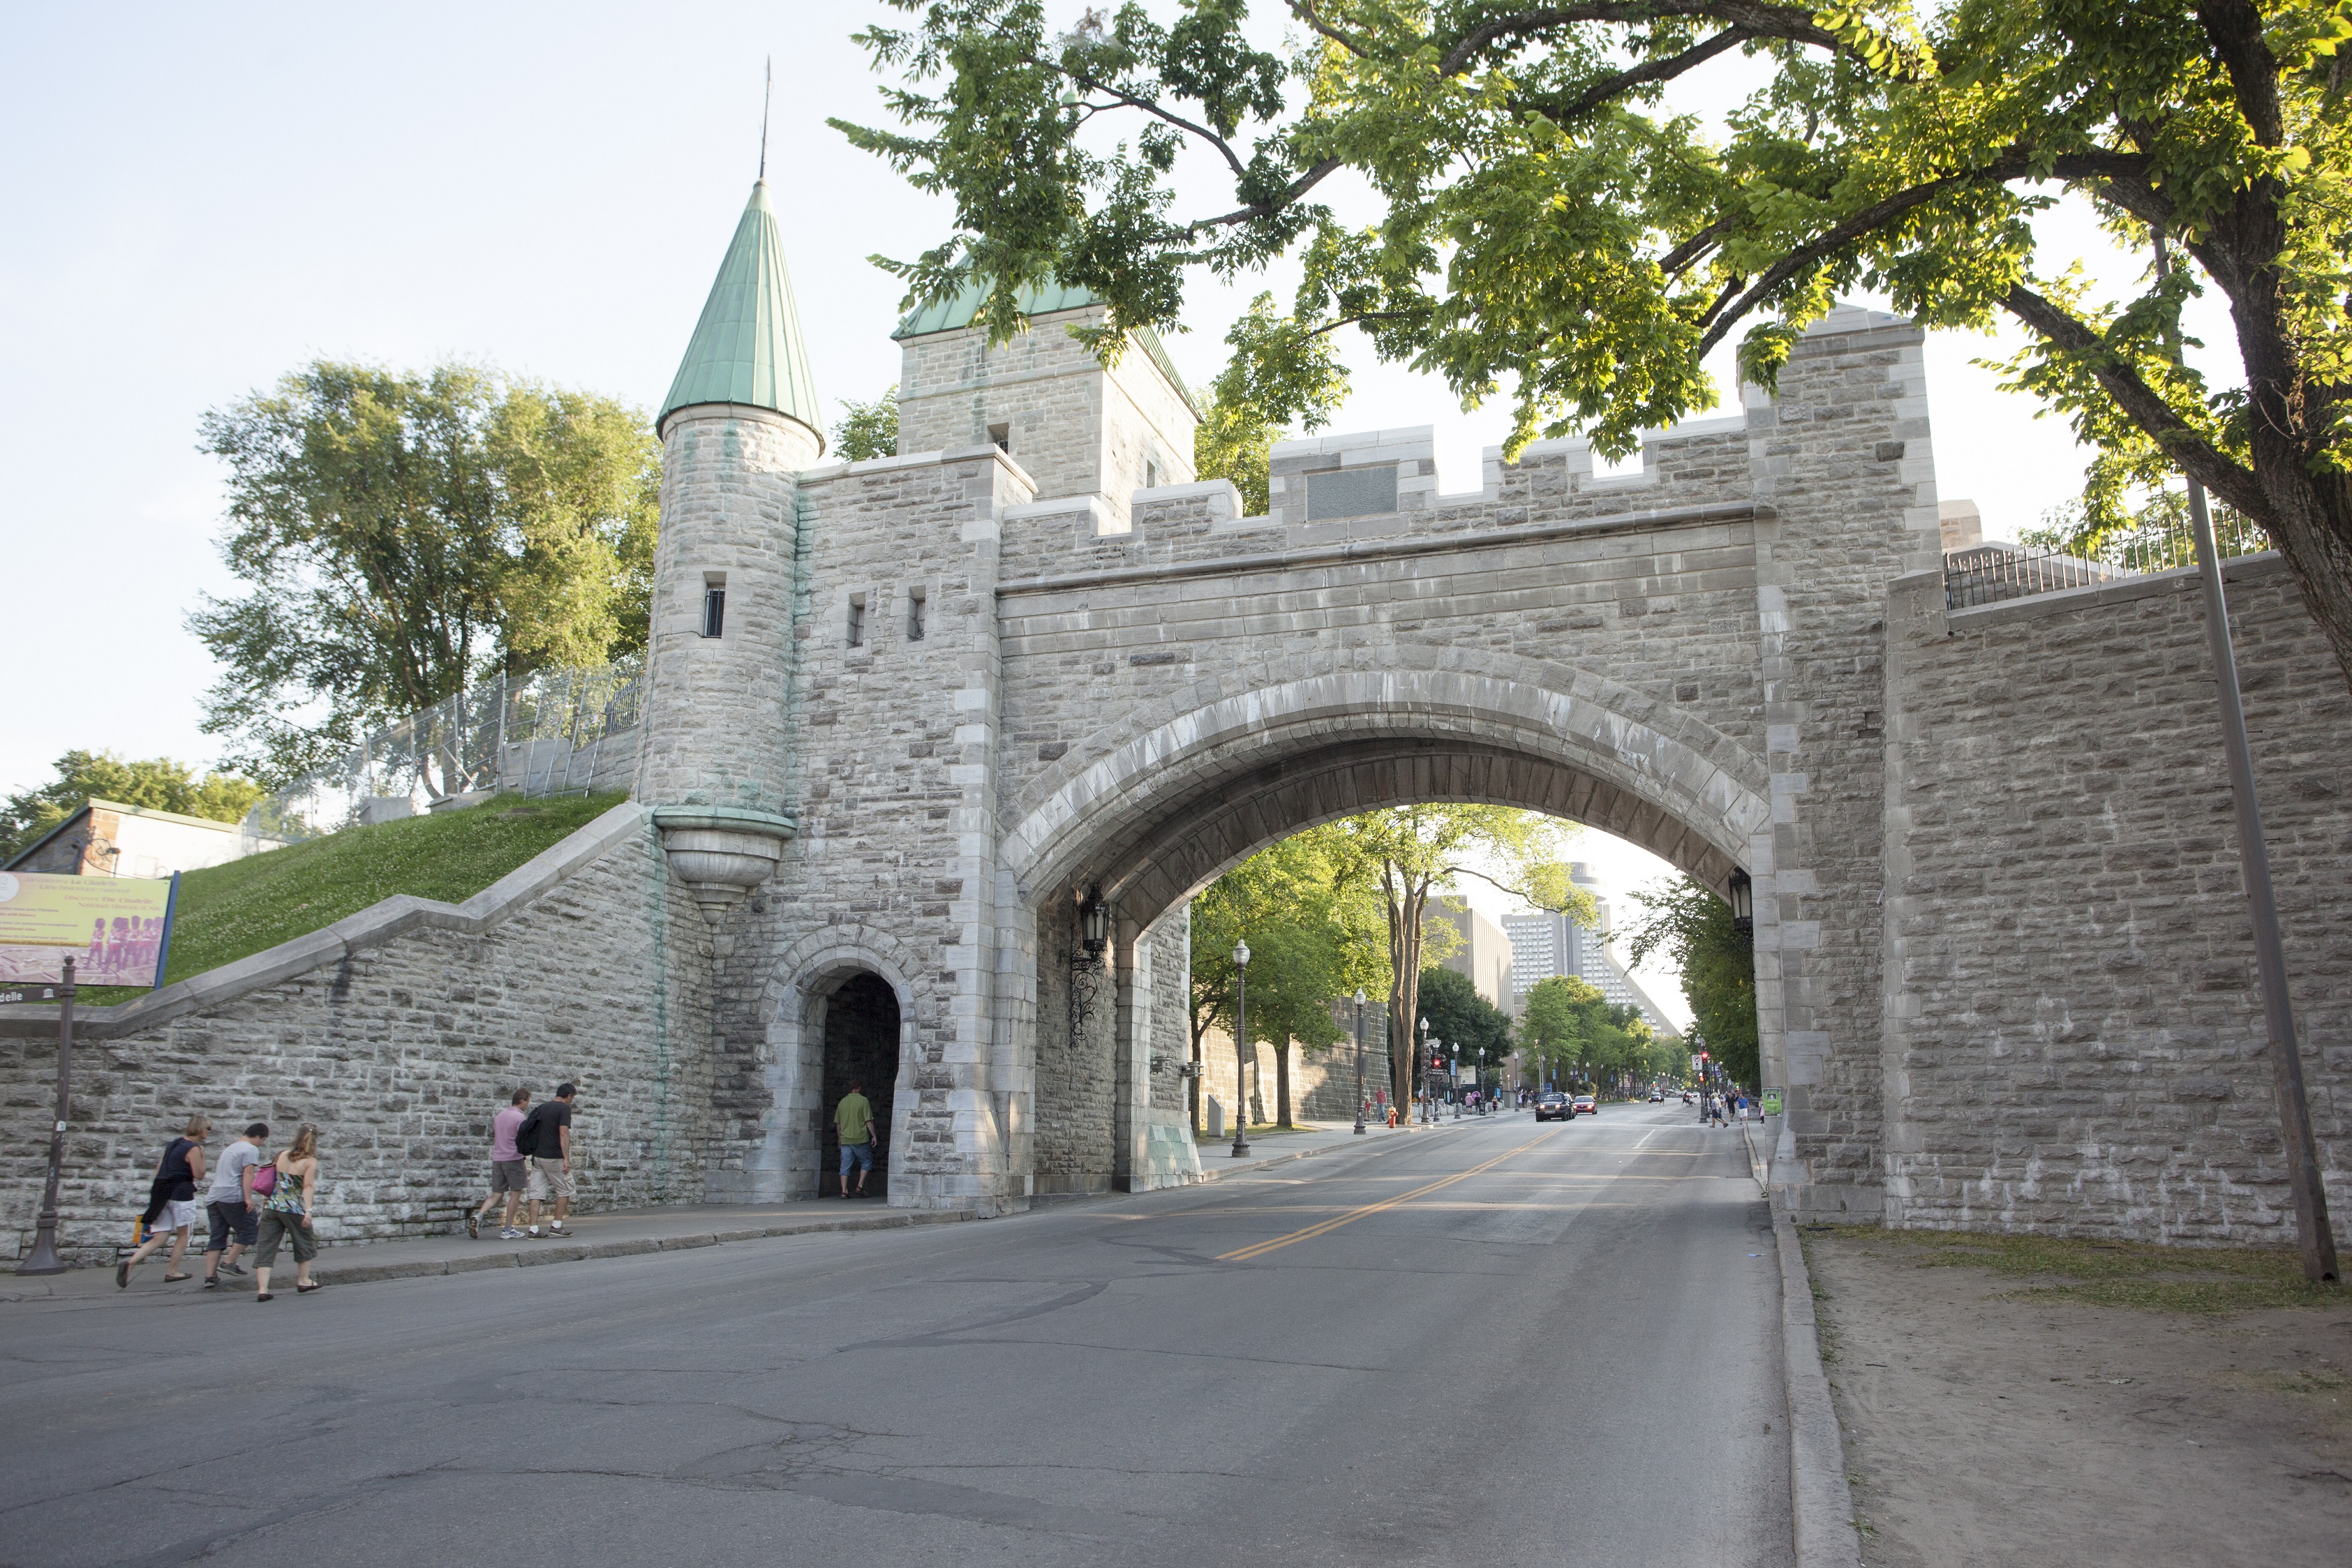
point(400, 534)
point(158, 783)
point(867, 429)
point(1548, 229)
point(1452, 1011)
point(1718, 965)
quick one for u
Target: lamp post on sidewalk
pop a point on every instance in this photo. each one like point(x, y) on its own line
point(43, 1258)
point(1241, 1034)
point(1359, 1061)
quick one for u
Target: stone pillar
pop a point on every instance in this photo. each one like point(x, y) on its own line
point(713, 752)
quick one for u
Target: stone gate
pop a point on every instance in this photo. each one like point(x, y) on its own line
point(976, 721)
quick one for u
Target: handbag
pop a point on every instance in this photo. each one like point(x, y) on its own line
point(264, 1180)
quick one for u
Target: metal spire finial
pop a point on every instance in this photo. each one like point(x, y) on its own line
point(766, 94)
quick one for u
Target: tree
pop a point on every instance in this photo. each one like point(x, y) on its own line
point(867, 429)
point(1409, 852)
point(1258, 395)
point(1305, 948)
point(401, 535)
point(1555, 1030)
point(1719, 964)
point(1451, 1009)
point(158, 783)
point(1546, 218)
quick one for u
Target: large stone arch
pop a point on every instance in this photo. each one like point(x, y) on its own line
point(1161, 804)
point(1158, 804)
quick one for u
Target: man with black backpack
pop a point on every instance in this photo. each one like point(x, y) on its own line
point(545, 1140)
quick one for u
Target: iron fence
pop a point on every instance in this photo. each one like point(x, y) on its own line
point(1988, 574)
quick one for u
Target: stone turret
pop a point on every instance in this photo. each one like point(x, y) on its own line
point(740, 425)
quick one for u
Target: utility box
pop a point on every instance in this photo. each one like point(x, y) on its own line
point(1214, 1115)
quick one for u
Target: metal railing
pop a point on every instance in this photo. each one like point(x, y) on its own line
point(1988, 574)
point(551, 732)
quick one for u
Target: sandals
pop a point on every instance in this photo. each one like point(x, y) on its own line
point(175, 1279)
point(122, 1276)
point(306, 1289)
point(266, 1296)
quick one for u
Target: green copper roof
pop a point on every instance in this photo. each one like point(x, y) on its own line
point(747, 346)
point(948, 314)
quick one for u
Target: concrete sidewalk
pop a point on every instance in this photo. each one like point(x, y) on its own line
point(625, 1232)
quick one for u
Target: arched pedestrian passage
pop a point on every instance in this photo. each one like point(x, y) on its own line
point(861, 1051)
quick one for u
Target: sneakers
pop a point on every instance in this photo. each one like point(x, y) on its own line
point(474, 1227)
point(556, 1228)
point(531, 1234)
point(236, 1268)
point(212, 1281)
point(510, 1234)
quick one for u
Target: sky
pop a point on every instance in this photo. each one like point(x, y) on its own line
point(200, 199)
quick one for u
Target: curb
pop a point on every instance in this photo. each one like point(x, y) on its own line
point(1821, 1503)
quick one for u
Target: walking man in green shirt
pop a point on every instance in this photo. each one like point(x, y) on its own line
point(854, 1120)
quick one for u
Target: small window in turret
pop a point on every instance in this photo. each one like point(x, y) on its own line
point(914, 615)
point(714, 603)
point(858, 621)
point(1150, 474)
point(1003, 436)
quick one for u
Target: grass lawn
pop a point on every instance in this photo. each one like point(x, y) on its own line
point(231, 912)
point(2201, 1280)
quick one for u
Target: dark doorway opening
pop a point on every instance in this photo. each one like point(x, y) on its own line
point(861, 1046)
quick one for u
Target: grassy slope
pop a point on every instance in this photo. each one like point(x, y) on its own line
point(230, 911)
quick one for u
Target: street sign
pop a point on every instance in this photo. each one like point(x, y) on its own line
point(1771, 1101)
point(26, 994)
point(1694, 1061)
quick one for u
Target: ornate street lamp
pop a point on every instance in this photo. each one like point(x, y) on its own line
point(1742, 893)
point(1359, 1061)
point(1094, 921)
point(1241, 1034)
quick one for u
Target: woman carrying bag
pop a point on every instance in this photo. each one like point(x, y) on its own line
point(293, 1184)
point(171, 1202)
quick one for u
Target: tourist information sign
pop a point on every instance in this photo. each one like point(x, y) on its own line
point(117, 929)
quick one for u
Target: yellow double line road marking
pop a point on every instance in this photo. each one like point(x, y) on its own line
point(1260, 1249)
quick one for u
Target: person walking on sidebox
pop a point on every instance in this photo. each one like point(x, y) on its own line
point(510, 1172)
point(545, 1139)
point(171, 1202)
point(854, 1120)
point(229, 1205)
point(288, 1211)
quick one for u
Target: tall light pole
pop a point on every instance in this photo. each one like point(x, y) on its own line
point(43, 1258)
point(1359, 1061)
point(1241, 1036)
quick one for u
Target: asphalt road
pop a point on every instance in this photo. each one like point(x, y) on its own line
point(1502, 1344)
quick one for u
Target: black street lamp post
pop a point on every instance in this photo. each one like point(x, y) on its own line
point(1359, 1061)
point(43, 1258)
point(1241, 1034)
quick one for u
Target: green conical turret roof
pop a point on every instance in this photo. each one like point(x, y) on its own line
point(747, 346)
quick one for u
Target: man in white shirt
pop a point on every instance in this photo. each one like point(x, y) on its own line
point(229, 1204)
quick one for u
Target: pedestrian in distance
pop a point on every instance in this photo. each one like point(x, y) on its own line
point(171, 1203)
point(288, 1211)
point(852, 1119)
point(229, 1205)
point(510, 1172)
point(545, 1139)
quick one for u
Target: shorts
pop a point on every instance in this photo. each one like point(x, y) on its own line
point(277, 1225)
point(230, 1220)
point(175, 1213)
point(509, 1176)
point(548, 1176)
point(859, 1154)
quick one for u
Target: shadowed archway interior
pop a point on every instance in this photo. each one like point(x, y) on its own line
point(861, 1047)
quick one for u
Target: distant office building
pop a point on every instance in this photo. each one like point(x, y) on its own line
point(1544, 944)
point(1482, 951)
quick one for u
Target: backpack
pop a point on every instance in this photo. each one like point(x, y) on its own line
point(527, 1135)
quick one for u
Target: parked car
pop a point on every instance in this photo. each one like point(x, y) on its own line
point(1555, 1107)
point(1657, 1096)
point(1584, 1106)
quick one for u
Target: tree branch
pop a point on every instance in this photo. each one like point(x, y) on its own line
point(2106, 167)
point(1699, 244)
point(1305, 11)
point(1151, 108)
point(1761, 19)
point(1667, 69)
point(1266, 209)
point(2234, 28)
point(2142, 403)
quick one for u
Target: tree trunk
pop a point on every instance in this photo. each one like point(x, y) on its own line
point(1406, 904)
point(1282, 1082)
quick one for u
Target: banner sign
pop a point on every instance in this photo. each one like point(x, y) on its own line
point(116, 929)
point(1771, 1101)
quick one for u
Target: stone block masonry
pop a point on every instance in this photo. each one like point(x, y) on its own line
point(2074, 1038)
point(400, 1032)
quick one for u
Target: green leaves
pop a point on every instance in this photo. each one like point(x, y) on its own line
point(867, 429)
point(159, 783)
point(1719, 964)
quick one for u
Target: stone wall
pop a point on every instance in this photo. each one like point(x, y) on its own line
point(2074, 1038)
point(400, 1032)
